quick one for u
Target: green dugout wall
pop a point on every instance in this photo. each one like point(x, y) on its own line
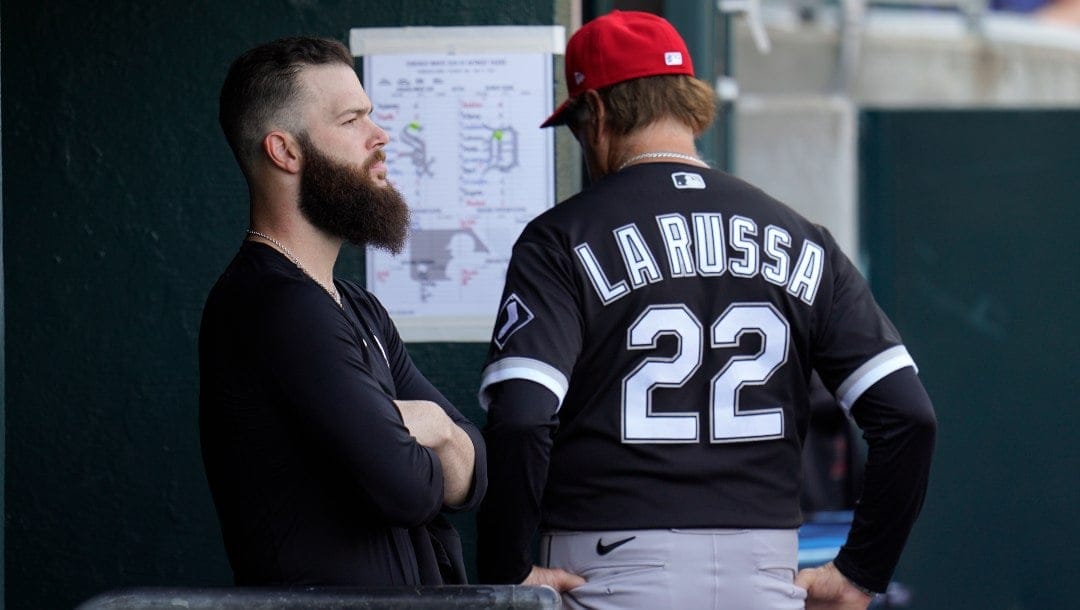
point(970, 224)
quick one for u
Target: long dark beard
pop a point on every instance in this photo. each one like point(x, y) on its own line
point(345, 201)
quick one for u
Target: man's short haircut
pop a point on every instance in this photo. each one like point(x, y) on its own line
point(636, 103)
point(261, 91)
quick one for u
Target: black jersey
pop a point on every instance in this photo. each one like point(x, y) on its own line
point(315, 477)
point(676, 314)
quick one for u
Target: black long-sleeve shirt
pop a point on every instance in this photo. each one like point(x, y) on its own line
point(899, 425)
point(314, 475)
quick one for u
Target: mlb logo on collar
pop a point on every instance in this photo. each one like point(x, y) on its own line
point(688, 180)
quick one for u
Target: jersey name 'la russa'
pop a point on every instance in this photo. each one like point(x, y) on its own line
point(676, 312)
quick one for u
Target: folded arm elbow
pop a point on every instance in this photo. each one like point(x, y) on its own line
point(405, 507)
point(409, 494)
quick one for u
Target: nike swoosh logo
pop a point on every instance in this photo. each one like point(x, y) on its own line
point(604, 549)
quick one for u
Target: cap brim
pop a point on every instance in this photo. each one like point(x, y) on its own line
point(559, 116)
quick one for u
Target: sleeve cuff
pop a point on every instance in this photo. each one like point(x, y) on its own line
point(867, 585)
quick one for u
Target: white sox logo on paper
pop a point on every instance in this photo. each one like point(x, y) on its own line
point(513, 316)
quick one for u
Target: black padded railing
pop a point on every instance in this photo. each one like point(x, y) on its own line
point(319, 598)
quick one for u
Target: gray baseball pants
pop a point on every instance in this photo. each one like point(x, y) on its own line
point(736, 569)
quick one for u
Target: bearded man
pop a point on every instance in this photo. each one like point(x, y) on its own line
point(330, 457)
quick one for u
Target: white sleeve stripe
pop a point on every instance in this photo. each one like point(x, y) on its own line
point(522, 368)
point(871, 372)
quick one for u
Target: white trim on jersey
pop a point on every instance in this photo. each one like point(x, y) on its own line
point(522, 368)
point(871, 372)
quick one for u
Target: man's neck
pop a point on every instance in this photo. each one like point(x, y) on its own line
point(311, 249)
point(663, 136)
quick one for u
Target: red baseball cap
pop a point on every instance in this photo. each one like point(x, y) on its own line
point(617, 47)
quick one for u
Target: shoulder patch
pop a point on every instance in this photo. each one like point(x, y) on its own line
point(688, 180)
point(513, 316)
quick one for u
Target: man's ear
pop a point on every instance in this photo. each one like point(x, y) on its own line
point(597, 115)
point(282, 149)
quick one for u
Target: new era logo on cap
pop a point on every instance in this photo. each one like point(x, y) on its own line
point(578, 77)
point(673, 58)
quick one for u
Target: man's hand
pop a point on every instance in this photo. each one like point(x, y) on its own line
point(828, 589)
point(426, 421)
point(560, 580)
point(433, 428)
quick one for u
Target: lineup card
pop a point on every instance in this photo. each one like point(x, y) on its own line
point(467, 153)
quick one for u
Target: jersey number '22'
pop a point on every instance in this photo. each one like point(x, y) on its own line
point(642, 425)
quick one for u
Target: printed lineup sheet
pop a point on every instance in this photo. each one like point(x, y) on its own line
point(467, 152)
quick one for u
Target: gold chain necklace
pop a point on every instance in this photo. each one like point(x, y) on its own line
point(330, 290)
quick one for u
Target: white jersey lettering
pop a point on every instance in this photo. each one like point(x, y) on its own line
point(777, 241)
point(740, 230)
point(807, 275)
point(676, 234)
point(702, 250)
point(607, 291)
point(710, 250)
point(640, 262)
